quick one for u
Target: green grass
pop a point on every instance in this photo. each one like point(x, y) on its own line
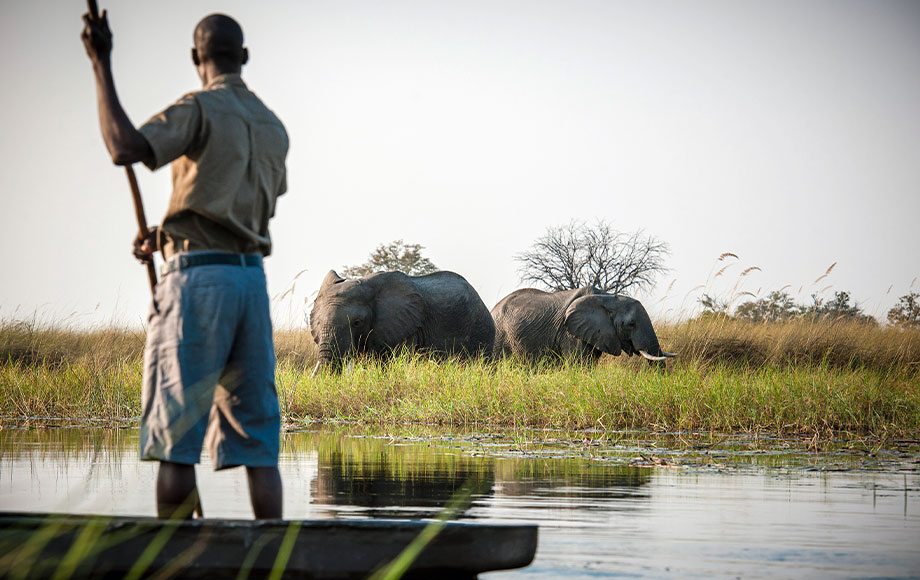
point(718, 397)
point(798, 377)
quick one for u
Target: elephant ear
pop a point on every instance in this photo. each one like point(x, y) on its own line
point(588, 320)
point(398, 308)
point(331, 278)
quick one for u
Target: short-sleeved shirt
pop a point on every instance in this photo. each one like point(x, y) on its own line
point(227, 151)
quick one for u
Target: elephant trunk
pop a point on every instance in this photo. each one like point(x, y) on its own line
point(330, 351)
point(327, 358)
point(645, 343)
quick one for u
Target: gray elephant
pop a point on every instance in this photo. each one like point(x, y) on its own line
point(584, 323)
point(439, 313)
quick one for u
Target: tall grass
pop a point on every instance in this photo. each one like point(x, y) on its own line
point(835, 343)
point(47, 371)
point(42, 344)
point(827, 377)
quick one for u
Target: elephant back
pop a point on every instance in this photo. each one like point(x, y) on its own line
point(457, 320)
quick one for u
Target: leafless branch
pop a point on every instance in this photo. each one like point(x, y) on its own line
point(576, 255)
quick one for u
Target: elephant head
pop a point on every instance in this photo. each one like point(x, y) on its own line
point(370, 314)
point(613, 324)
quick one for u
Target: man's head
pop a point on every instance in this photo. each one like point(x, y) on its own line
point(218, 46)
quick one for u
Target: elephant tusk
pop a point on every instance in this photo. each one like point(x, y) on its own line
point(668, 354)
point(650, 357)
point(315, 370)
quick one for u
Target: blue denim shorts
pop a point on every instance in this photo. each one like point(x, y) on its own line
point(209, 369)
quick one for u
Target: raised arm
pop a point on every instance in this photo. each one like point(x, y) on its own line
point(125, 143)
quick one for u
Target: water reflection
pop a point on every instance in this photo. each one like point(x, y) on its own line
point(369, 477)
point(380, 477)
point(624, 506)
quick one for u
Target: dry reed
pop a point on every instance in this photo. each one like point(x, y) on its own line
point(833, 343)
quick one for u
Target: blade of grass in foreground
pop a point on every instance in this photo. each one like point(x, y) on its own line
point(80, 549)
point(396, 568)
point(159, 541)
point(150, 553)
point(286, 549)
point(250, 560)
point(18, 563)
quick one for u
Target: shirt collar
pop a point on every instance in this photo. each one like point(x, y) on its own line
point(229, 79)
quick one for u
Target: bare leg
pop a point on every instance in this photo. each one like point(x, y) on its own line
point(177, 492)
point(265, 492)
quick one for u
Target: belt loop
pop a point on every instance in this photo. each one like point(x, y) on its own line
point(242, 260)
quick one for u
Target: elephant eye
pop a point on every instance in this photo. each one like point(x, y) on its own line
point(356, 322)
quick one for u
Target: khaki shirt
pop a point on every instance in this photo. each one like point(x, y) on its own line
point(227, 152)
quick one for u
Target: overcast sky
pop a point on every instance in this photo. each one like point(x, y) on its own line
point(787, 133)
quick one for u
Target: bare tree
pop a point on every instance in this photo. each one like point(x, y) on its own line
point(396, 256)
point(577, 255)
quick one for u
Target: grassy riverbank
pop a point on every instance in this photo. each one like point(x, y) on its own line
point(801, 377)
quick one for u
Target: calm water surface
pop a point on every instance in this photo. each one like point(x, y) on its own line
point(608, 505)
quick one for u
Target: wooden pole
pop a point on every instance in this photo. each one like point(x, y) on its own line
point(132, 181)
point(141, 223)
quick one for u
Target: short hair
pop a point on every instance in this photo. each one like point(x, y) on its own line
point(219, 37)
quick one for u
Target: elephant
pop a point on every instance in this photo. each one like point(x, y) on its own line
point(582, 323)
point(439, 313)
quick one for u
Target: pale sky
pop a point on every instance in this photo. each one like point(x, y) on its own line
point(787, 133)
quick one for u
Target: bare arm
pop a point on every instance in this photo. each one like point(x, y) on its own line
point(125, 143)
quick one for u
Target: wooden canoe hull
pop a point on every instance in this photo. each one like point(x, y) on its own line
point(111, 546)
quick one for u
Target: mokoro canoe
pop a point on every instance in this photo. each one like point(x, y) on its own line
point(41, 545)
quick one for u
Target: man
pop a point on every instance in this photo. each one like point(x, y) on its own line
point(209, 361)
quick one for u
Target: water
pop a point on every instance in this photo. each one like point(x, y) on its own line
point(608, 505)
